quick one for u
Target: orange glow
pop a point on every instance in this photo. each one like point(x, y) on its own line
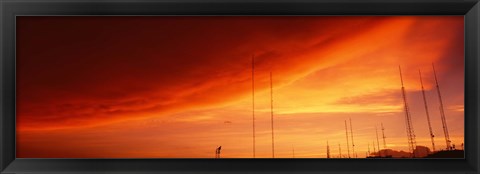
point(178, 87)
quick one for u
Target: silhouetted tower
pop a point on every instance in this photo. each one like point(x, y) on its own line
point(328, 150)
point(346, 133)
point(426, 112)
point(271, 113)
point(408, 120)
point(442, 112)
point(217, 151)
point(378, 142)
point(383, 136)
point(351, 135)
point(374, 150)
point(340, 150)
point(253, 102)
point(368, 149)
point(384, 142)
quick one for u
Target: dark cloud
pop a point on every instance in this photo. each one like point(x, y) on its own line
point(73, 68)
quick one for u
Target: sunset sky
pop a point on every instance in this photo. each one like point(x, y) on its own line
point(178, 87)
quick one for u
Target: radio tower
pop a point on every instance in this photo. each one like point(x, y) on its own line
point(368, 149)
point(339, 150)
point(426, 111)
point(253, 102)
point(384, 143)
point(383, 136)
point(442, 112)
point(408, 120)
point(378, 142)
point(271, 113)
point(351, 135)
point(328, 150)
point(346, 132)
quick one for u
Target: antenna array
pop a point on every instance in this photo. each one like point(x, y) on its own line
point(408, 120)
point(348, 146)
point(442, 112)
point(426, 112)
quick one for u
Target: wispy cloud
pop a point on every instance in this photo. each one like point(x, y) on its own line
point(181, 79)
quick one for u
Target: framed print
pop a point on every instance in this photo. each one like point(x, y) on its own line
point(240, 87)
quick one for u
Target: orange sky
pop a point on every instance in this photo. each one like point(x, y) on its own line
point(155, 87)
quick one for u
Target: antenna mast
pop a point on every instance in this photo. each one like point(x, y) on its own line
point(271, 113)
point(339, 150)
point(346, 132)
point(384, 143)
point(253, 101)
point(426, 111)
point(351, 135)
point(328, 150)
point(293, 152)
point(442, 112)
point(408, 120)
point(383, 136)
point(378, 142)
point(368, 149)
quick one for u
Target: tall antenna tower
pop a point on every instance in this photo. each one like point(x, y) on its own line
point(271, 113)
point(328, 150)
point(383, 136)
point(293, 151)
point(346, 132)
point(253, 101)
point(378, 142)
point(408, 120)
point(368, 149)
point(351, 135)
point(426, 111)
point(384, 143)
point(374, 150)
point(442, 112)
point(339, 150)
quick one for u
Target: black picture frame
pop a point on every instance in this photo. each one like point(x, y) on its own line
point(9, 9)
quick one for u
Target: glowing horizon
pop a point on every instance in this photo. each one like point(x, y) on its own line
point(178, 87)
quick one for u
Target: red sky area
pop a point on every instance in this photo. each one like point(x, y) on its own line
point(178, 87)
